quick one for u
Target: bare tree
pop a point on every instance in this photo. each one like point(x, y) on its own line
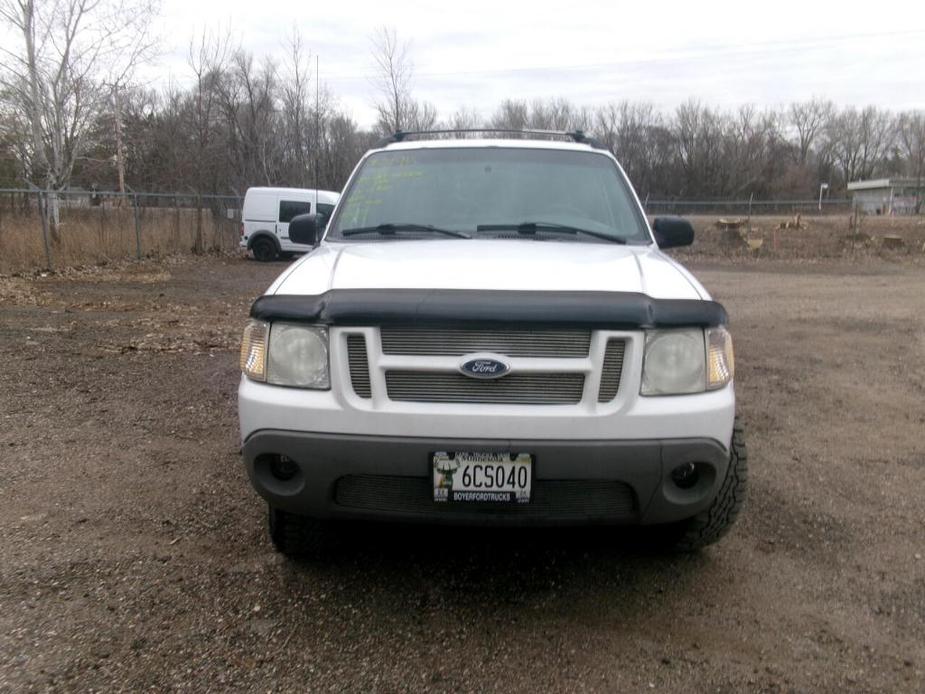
point(557, 114)
point(301, 136)
point(57, 75)
point(636, 134)
point(511, 114)
point(342, 146)
point(859, 140)
point(465, 119)
point(248, 101)
point(9, 138)
point(393, 79)
point(420, 115)
point(207, 58)
point(700, 132)
point(396, 108)
point(809, 118)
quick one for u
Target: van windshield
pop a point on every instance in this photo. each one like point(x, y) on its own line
point(489, 192)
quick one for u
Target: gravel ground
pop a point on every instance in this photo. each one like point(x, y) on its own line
point(134, 556)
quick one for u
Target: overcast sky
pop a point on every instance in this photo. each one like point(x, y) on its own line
point(476, 53)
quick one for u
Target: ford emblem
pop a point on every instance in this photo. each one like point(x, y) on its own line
point(484, 367)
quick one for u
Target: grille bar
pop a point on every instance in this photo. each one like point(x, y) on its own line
point(358, 362)
point(612, 370)
point(513, 342)
point(513, 389)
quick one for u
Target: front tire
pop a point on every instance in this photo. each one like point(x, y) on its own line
point(264, 250)
point(717, 519)
point(296, 536)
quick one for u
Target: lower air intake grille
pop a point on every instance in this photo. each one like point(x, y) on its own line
point(359, 365)
point(513, 389)
point(552, 499)
point(611, 371)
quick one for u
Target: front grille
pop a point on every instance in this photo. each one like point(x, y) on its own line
point(512, 342)
point(358, 362)
point(513, 389)
point(551, 499)
point(612, 370)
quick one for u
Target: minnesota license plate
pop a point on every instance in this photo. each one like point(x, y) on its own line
point(482, 477)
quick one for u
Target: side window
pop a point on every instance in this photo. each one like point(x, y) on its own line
point(292, 208)
point(324, 214)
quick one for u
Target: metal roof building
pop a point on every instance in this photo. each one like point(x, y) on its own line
point(888, 195)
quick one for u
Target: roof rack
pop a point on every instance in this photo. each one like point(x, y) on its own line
point(573, 135)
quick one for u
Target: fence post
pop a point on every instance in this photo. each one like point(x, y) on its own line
point(43, 213)
point(137, 228)
point(198, 247)
point(176, 226)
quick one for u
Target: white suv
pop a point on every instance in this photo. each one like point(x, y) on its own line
point(489, 333)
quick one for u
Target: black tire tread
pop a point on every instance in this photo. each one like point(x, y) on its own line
point(294, 535)
point(715, 521)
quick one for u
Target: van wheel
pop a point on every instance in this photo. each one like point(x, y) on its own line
point(296, 536)
point(264, 250)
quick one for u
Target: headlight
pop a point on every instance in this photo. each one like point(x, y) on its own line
point(298, 356)
point(254, 350)
point(674, 362)
point(720, 359)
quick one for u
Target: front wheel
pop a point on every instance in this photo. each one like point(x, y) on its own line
point(296, 536)
point(264, 250)
point(717, 519)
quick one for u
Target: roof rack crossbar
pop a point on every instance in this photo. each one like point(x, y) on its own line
point(574, 135)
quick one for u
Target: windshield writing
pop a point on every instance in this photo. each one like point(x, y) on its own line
point(461, 189)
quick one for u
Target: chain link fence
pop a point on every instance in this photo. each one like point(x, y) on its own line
point(46, 229)
point(51, 229)
point(748, 208)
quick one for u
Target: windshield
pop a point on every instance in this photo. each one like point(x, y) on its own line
point(489, 192)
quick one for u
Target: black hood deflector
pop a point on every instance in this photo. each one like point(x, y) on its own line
point(613, 310)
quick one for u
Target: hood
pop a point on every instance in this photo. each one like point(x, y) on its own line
point(489, 264)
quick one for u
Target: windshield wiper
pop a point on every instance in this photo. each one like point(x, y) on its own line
point(386, 229)
point(533, 227)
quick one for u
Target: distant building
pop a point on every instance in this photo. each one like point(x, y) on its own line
point(888, 195)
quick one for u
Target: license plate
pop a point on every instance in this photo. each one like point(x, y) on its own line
point(482, 477)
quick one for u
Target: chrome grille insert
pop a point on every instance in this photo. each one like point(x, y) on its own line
point(612, 370)
point(513, 389)
point(512, 342)
point(358, 361)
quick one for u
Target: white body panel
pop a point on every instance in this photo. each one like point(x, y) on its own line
point(261, 213)
point(490, 264)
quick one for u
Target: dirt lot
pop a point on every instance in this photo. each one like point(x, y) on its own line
point(134, 556)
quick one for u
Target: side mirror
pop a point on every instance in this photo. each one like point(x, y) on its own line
point(304, 229)
point(671, 232)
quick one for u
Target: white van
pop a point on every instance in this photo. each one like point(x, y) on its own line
point(266, 215)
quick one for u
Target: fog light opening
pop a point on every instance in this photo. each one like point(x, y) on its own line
point(685, 476)
point(283, 468)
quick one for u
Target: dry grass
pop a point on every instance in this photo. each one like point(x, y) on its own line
point(102, 234)
point(829, 236)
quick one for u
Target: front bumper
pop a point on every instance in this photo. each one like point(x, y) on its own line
point(353, 476)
